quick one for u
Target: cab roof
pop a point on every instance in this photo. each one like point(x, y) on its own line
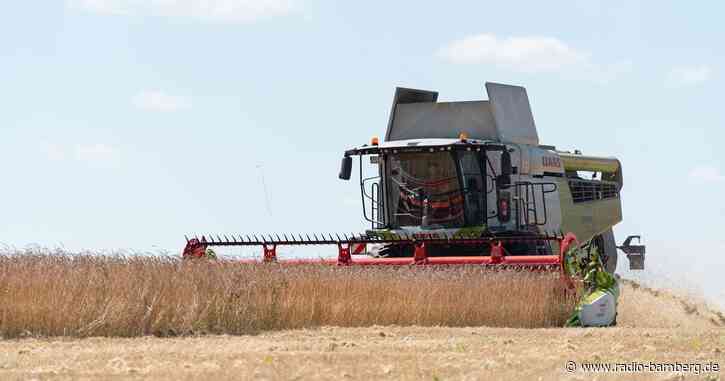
point(420, 145)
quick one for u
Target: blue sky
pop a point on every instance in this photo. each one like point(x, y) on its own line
point(128, 123)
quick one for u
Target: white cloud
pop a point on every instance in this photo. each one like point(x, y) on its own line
point(689, 75)
point(227, 11)
point(54, 152)
point(158, 101)
point(531, 54)
point(93, 154)
point(98, 6)
point(526, 54)
point(707, 174)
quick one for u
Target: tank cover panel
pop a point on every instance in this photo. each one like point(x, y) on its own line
point(404, 96)
point(512, 113)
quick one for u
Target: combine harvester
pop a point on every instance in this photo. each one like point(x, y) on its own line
point(467, 183)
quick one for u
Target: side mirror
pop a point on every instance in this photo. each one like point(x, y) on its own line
point(345, 168)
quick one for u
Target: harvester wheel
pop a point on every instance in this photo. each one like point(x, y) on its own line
point(607, 250)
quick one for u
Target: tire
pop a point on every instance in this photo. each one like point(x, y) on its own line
point(607, 250)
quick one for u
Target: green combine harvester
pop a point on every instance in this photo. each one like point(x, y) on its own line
point(469, 183)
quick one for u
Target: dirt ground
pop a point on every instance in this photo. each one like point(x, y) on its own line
point(654, 327)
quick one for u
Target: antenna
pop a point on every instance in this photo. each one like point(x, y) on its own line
point(260, 167)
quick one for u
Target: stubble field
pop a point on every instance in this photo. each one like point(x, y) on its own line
point(51, 323)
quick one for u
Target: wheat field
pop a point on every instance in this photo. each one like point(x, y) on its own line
point(58, 294)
